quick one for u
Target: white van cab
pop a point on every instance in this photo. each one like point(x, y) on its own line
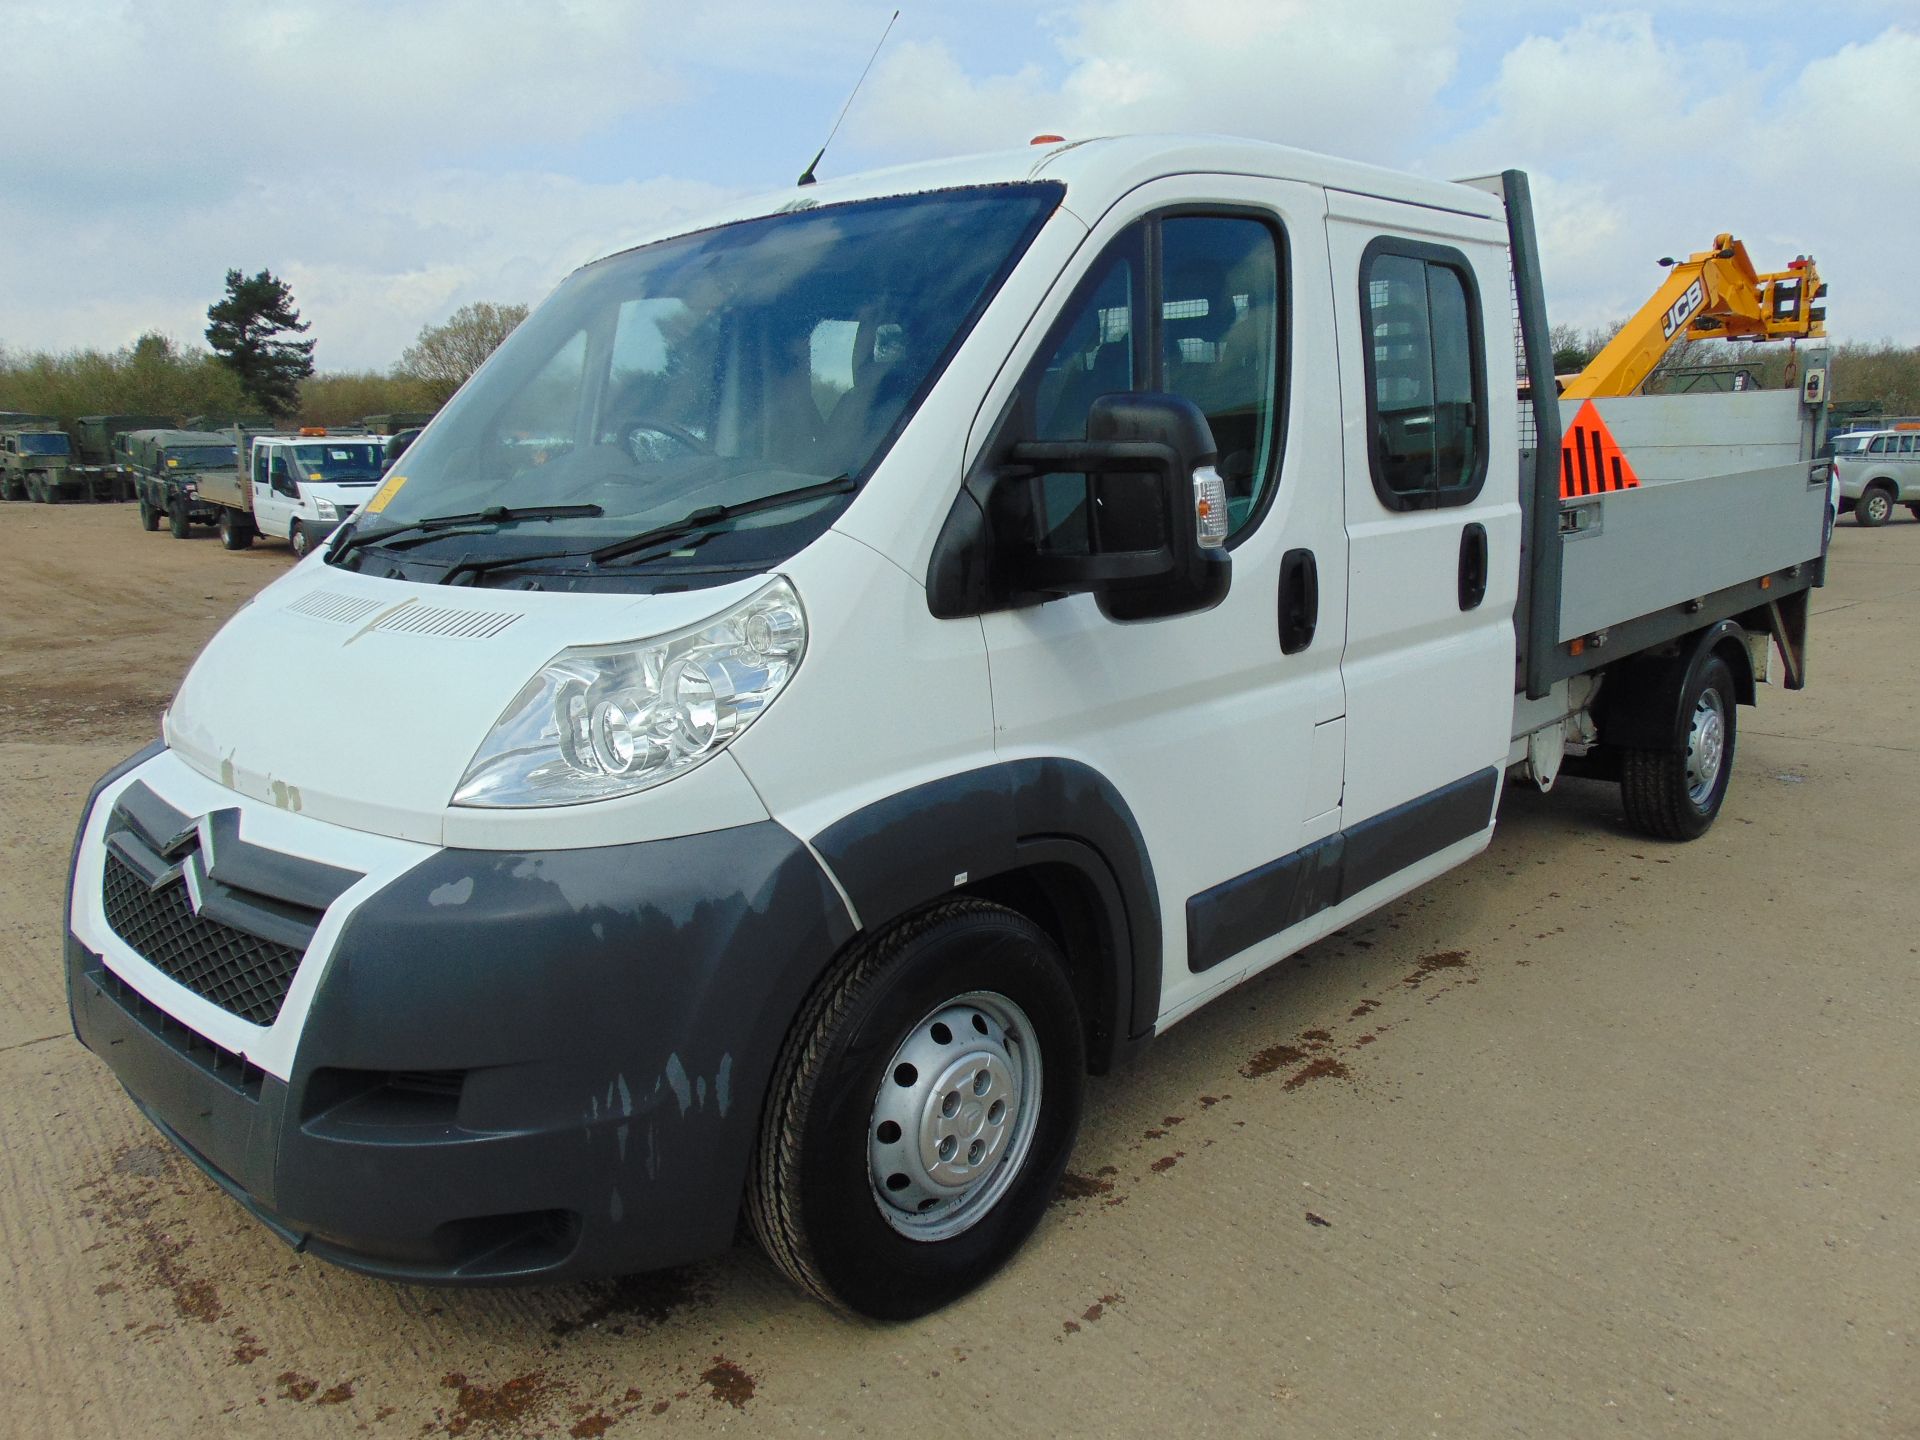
point(838, 676)
point(304, 486)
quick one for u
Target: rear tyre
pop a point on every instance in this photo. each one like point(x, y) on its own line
point(1675, 795)
point(149, 517)
point(1914, 510)
point(921, 1114)
point(235, 532)
point(298, 542)
point(177, 523)
point(1875, 508)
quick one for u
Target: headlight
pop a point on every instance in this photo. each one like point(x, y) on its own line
point(616, 719)
point(325, 509)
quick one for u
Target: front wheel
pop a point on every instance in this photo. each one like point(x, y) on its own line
point(149, 517)
point(1874, 508)
point(298, 542)
point(922, 1112)
point(1675, 795)
point(177, 520)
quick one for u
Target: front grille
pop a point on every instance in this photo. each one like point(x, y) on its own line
point(241, 973)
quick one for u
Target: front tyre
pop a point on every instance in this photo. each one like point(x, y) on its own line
point(149, 517)
point(923, 1109)
point(178, 521)
point(298, 542)
point(1675, 795)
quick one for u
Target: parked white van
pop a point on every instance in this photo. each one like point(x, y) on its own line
point(840, 674)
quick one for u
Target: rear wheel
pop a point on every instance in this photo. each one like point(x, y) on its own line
point(1675, 795)
point(1914, 510)
point(921, 1114)
point(1875, 507)
point(235, 532)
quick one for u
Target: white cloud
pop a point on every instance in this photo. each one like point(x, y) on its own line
point(1346, 79)
point(395, 160)
point(368, 268)
point(1642, 146)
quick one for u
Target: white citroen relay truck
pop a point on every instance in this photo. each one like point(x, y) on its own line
point(838, 676)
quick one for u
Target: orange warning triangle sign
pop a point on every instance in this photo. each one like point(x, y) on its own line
point(1590, 463)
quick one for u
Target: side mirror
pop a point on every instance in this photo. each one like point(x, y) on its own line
point(1134, 513)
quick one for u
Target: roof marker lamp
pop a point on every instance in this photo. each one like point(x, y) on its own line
point(609, 720)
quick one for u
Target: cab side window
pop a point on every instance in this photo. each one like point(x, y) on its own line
point(1219, 342)
point(1187, 305)
point(1426, 375)
point(1091, 351)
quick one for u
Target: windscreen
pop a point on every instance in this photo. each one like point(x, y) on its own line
point(53, 443)
point(721, 368)
point(338, 462)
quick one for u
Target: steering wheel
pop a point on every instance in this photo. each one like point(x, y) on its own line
point(641, 452)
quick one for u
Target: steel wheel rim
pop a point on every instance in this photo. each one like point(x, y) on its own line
point(1878, 506)
point(954, 1118)
point(1706, 746)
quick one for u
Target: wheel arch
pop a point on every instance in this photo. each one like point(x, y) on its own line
point(1641, 704)
point(1049, 837)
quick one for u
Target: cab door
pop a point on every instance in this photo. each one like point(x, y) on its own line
point(1221, 731)
point(1433, 532)
point(275, 491)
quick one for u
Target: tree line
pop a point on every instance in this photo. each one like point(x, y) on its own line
point(1871, 377)
point(254, 361)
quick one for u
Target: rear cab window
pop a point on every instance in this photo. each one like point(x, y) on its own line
point(1426, 374)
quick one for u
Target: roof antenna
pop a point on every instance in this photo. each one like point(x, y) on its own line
point(806, 176)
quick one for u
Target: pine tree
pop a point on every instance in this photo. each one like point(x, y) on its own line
point(244, 330)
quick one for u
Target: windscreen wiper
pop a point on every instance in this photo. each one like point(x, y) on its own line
point(709, 516)
point(353, 539)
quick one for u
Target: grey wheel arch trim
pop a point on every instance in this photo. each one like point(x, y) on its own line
point(1055, 824)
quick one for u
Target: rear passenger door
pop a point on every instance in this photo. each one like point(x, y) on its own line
point(1433, 530)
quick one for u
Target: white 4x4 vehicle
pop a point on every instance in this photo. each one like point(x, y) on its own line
point(1878, 469)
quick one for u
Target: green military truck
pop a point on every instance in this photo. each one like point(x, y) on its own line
point(36, 463)
point(396, 422)
point(96, 441)
point(259, 424)
point(168, 468)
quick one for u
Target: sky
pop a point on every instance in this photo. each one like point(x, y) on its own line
point(396, 159)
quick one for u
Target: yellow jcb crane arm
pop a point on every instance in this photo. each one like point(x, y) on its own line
point(1715, 294)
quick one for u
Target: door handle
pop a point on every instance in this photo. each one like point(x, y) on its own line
point(1299, 600)
point(1473, 566)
